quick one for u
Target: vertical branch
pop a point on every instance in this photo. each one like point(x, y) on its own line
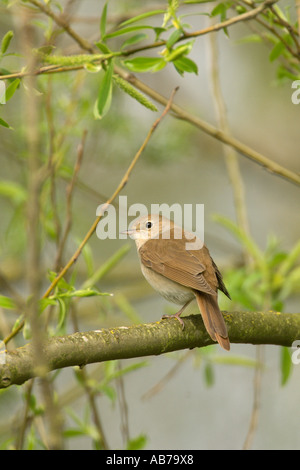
point(90, 393)
point(123, 405)
point(31, 117)
point(70, 190)
point(51, 159)
point(237, 185)
point(257, 381)
point(298, 14)
point(231, 157)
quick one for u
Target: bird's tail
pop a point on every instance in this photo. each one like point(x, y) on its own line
point(213, 318)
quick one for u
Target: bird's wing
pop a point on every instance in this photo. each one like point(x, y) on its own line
point(190, 268)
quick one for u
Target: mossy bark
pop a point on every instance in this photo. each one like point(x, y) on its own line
point(146, 340)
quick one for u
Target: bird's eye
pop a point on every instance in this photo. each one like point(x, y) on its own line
point(148, 224)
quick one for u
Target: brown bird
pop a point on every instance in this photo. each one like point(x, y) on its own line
point(178, 265)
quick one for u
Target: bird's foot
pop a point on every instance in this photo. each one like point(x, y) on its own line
point(176, 315)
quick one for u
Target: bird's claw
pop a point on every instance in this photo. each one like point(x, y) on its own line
point(175, 315)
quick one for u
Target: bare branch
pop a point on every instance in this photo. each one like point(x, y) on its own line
point(150, 339)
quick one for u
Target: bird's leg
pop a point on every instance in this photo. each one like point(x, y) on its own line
point(177, 315)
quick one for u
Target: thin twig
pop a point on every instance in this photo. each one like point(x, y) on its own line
point(256, 398)
point(92, 229)
point(61, 21)
point(243, 149)
point(169, 375)
point(231, 158)
point(123, 405)
point(70, 190)
point(25, 420)
point(298, 14)
point(288, 27)
point(181, 113)
point(51, 162)
point(121, 185)
point(248, 15)
point(85, 379)
point(277, 21)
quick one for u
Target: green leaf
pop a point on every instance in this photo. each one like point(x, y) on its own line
point(7, 302)
point(93, 68)
point(18, 322)
point(109, 391)
point(197, 1)
point(142, 16)
point(69, 433)
point(145, 64)
point(250, 38)
point(126, 307)
point(6, 41)
point(43, 303)
point(280, 13)
point(209, 375)
point(113, 373)
point(291, 284)
point(173, 38)
point(236, 361)
point(26, 330)
point(103, 102)
point(134, 40)
point(220, 9)
point(62, 314)
point(106, 267)
point(137, 443)
point(62, 283)
point(278, 49)
point(290, 260)
point(88, 258)
point(134, 93)
point(78, 293)
point(13, 191)
point(240, 9)
point(283, 72)
point(158, 31)
point(245, 239)
point(103, 21)
point(103, 47)
point(10, 90)
point(178, 52)
point(184, 64)
point(119, 32)
point(4, 124)
point(285, 364)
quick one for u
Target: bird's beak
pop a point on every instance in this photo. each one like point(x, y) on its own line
point(128, 232)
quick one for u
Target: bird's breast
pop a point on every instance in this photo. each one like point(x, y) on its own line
point(170, 290)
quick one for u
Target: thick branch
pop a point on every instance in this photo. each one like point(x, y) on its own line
point(146, 340)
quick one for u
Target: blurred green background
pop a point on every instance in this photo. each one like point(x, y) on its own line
point(204, 404)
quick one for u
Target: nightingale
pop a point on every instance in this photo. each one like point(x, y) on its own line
point(178, 265)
